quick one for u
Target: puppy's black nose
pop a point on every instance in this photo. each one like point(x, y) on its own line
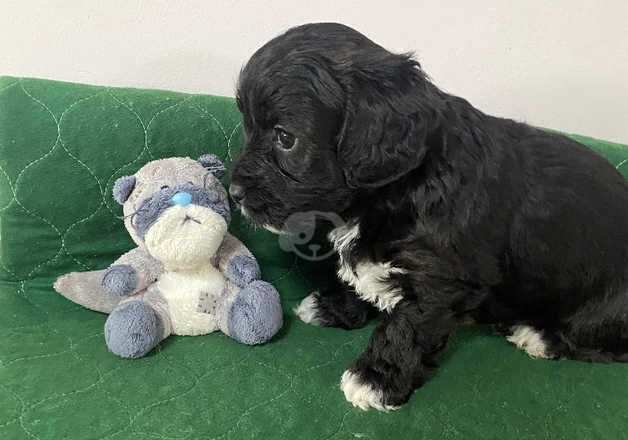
point(236, 192)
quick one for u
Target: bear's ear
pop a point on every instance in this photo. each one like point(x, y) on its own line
point(123, 188)
point(213, 164)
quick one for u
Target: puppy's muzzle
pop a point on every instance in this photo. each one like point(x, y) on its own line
point(237, 193)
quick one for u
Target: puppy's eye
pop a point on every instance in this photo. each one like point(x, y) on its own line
point(165, 186)
point(284, 139)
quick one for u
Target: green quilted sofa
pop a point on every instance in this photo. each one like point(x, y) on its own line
point(61, 148)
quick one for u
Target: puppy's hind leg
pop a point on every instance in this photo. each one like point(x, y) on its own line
point(598, 331)
point(534, 341)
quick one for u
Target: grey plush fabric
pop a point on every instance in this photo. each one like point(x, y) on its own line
point(123, 188)
point(255, 314)
point(172, 172)
point(152, 207)
point(242, 269)
point(84, 288)
point(230, 248)
point(119, 279)
point(213, 165)
point(146, 269)
point(207, 303)
point(133, 329)
point(145, 300)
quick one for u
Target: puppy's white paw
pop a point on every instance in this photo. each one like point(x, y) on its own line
point(307, 310)
point(530, 340)
point(362, 395)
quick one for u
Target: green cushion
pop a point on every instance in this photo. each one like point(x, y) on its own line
point(61, 148)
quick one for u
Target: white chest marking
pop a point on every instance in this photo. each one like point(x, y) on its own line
point(182, 291)
point(370, 280)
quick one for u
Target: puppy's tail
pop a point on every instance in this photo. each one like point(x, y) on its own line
point(84, 288)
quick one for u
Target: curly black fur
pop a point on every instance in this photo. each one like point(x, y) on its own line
point(489, 218)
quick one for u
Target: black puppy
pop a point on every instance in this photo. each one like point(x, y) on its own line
point(450, 214)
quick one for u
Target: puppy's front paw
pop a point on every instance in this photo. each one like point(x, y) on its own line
point(307, 310)
point(362, 394)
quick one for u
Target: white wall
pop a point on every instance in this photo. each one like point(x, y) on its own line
point(561, 64)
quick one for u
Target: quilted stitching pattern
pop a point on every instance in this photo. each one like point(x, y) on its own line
point(61, 147)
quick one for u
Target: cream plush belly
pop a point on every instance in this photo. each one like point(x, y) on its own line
point(182, 292)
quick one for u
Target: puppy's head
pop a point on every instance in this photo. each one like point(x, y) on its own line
point(328, 115)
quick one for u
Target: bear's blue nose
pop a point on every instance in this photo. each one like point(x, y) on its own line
point(182, 198)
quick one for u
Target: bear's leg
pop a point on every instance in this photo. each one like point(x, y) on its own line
point(133, 329)
point(255, 314)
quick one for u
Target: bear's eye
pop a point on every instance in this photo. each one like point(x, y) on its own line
point(284, 139)
point(165, 187)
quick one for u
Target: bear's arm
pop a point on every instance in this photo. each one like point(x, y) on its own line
point(131, 273)
point(236, 262)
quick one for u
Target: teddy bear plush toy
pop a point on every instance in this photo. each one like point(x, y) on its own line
point(187, 275)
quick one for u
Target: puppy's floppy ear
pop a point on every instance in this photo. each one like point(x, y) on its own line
point(390, 107)
point(123, 188)
point(213, 164)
